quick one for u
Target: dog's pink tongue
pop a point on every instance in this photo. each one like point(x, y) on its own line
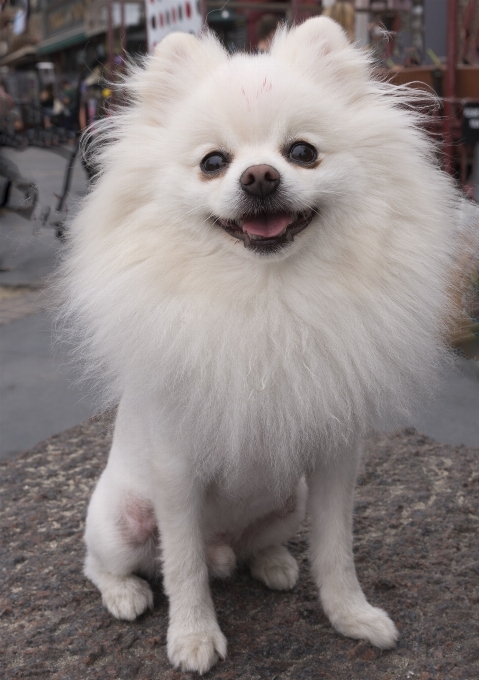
point(267, 226)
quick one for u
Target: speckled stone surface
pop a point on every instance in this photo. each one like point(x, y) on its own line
point(417, 555)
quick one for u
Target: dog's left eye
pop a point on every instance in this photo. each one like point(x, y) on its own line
point(302, 153)
point(213, 162)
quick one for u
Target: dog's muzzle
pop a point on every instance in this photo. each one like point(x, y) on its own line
point(267, 232)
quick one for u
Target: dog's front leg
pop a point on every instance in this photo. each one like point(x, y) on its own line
point(331, 496)
point(195, 640)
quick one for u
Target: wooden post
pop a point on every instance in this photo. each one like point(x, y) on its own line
point(110, 39)
point(204, 12)
point(294, 11)
point(450, 84)
point(123, 32)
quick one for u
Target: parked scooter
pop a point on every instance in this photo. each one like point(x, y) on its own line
point(16, 193)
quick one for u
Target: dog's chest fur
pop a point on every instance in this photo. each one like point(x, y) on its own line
point(269, 384)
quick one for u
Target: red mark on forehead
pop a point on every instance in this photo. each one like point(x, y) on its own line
point(247, 98)
point(265, 87)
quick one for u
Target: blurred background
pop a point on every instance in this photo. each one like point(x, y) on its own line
point(58, 59)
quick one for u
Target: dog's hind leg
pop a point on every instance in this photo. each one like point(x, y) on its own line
point(261, 547)
point(121, 538)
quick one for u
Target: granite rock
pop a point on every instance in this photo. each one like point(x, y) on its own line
point(417, 556)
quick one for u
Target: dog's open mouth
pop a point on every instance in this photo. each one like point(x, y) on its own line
point(265, 232)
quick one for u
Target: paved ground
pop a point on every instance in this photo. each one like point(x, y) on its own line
point(28, 252)
point(453, 417)
point(416, 550)
point(37, 395)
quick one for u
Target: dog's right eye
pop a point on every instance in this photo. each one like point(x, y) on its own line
point(213, 162)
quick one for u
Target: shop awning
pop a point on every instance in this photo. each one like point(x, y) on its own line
point(61, 41)
point(18, 55)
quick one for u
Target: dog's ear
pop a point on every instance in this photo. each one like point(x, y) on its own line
point(319, 35)
point(321, 46)
point(180, 61)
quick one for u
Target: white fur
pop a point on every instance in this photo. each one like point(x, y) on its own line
point(238, 375)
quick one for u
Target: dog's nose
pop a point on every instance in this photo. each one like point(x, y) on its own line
point(260, 180)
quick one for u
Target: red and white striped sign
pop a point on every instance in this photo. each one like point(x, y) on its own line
point(166, 16)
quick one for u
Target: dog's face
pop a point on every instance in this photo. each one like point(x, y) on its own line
point(256, 160)
point(260, 147)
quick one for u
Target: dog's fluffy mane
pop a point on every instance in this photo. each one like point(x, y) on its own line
point(245, 356)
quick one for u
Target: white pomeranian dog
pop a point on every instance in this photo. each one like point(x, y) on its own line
point(260, 276)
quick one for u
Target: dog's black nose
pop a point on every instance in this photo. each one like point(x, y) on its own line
point(260, 180)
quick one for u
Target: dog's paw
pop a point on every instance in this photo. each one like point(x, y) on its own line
point(275, 567)
point(127, 597)
point(367, 623)
point(196, 651)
